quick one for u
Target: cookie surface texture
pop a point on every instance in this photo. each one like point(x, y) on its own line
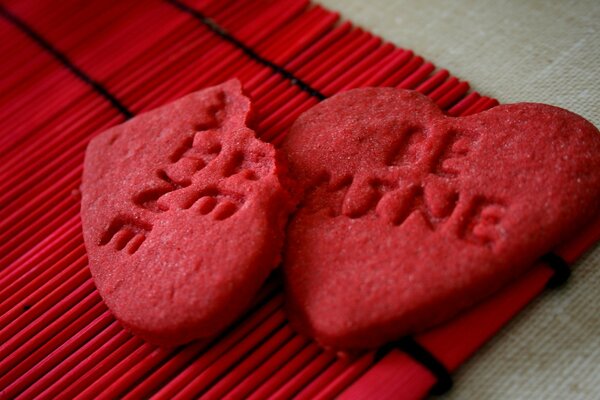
point(410, 216)
point(183, 215)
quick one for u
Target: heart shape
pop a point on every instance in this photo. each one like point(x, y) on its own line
point(410, 216)
point(183, 215)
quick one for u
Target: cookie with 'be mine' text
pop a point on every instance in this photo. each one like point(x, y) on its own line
point(410, 216)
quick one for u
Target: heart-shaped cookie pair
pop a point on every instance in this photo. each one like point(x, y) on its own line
point(410, 216)
point(406, 216)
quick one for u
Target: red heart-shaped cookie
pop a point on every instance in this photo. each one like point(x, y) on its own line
point(410, 216)
point(183, 215)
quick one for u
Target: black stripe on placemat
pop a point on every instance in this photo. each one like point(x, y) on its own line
point(421, 355)
point(64, 60)
point(220, 31)
point(561, 268)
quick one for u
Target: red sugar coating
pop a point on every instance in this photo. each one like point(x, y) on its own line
point(183, 215)
point(410, 216)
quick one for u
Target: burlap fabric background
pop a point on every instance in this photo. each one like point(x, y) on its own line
point(543, 51)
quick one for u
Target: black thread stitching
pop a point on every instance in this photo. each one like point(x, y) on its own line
point(561, 268)
point(64, 60)
point(213, 26)
point(220, 31)
point(421, 355)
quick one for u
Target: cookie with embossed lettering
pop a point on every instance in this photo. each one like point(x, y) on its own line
point(183, 215)
point(410, 216)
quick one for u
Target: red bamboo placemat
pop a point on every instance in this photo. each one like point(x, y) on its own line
point(72, 69)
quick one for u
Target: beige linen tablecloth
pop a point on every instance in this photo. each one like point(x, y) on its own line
point(542, 51)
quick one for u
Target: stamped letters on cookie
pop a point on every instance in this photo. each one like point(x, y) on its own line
point(126, 233)
point(196, 152)
point(419, 181)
